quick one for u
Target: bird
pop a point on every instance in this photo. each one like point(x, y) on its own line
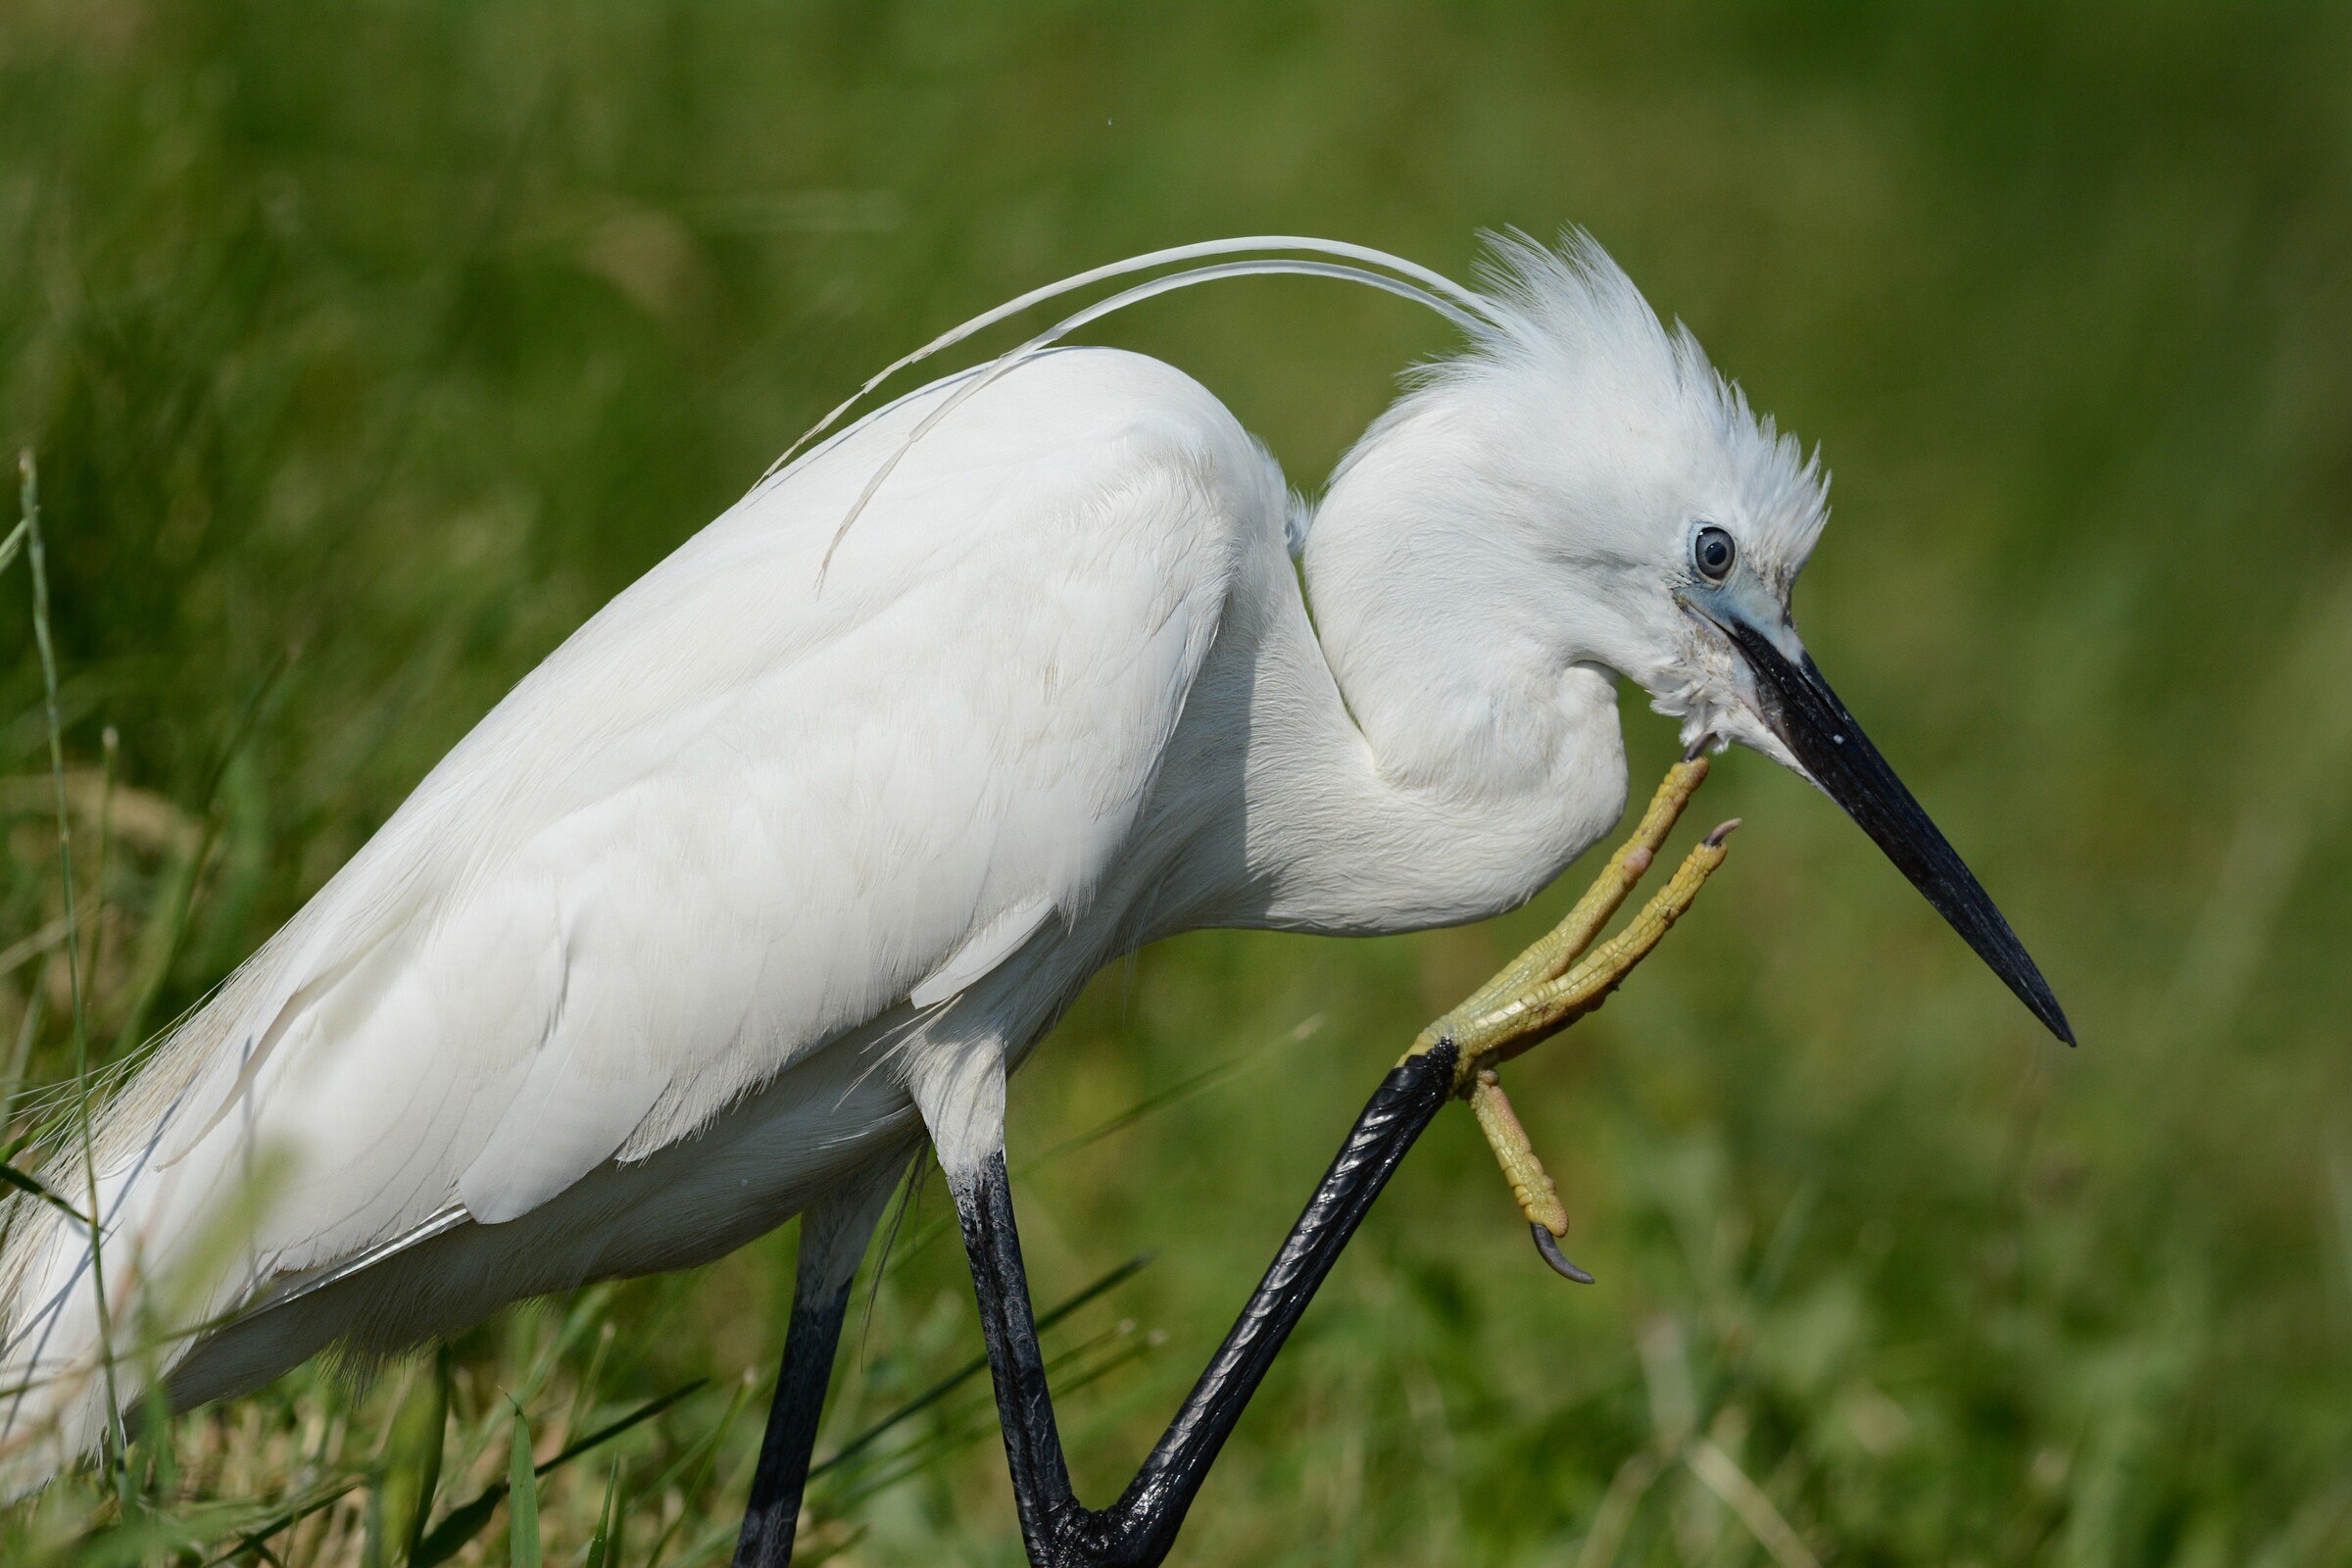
point(762, 884)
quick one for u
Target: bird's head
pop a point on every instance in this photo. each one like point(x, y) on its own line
point(1632, 481)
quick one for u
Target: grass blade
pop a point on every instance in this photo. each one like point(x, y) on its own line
point(1214, 1076)
point(1728, 1481)
point(26, 1182)
point(602, 1550)
point(181, 903)
point(467, 1520)
point(523, 1487)
point(285, 1519)
point(973, 1368)
point(922, 1456)
point(412, 1460)
point(698, 1460)
point(28, 497)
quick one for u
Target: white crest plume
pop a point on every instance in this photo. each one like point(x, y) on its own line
point(1570, 316)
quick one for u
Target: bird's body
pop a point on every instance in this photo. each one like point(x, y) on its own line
point(776, 867)
point(656, 958)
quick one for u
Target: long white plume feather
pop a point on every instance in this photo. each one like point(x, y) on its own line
point(1467, 319)
point(1468, 306)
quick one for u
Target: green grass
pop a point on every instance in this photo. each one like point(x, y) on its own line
point(367, 349)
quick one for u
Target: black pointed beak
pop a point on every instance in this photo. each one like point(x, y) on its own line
point(1814, 726)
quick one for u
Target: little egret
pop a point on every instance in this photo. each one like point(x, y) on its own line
point(783, 861)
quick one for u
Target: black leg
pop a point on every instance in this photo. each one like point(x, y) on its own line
point(774, 1508)
point(1136, 1531)
point(833, 1238)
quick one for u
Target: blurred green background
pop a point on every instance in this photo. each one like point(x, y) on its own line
point(367, 349)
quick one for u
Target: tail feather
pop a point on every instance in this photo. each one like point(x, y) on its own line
point(57, 1347)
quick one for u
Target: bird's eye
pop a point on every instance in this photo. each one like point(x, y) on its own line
point(1712, 553)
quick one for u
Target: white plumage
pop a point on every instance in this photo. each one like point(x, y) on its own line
point(777, 865)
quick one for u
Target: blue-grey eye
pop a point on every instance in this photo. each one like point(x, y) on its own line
point(1712, 553)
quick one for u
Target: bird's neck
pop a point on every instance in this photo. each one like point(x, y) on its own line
point(1453, 754)
point(1462, 679)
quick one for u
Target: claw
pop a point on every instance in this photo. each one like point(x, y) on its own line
point(1550, 1249)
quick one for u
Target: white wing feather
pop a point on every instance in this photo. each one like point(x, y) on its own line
point(733, 817)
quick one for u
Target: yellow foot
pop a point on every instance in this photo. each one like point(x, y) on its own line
point(1546, 988)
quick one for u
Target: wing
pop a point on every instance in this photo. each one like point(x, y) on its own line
point(747, 808)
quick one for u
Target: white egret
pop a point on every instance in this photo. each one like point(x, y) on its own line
point(778, 866)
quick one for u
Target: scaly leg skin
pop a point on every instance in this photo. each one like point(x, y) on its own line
point(1546, 988)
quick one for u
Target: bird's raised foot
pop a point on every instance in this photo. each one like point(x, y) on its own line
point(1554, 983)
